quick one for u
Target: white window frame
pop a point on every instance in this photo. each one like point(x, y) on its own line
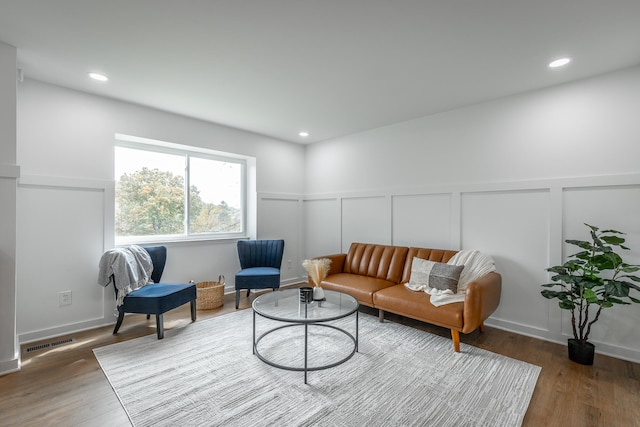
point(151, 145)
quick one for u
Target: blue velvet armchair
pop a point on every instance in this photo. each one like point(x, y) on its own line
point(157, 298)
point(260, 261)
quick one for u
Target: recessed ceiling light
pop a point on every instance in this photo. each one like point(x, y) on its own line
point(99, 77)
point(559, 62)
point(304, 134)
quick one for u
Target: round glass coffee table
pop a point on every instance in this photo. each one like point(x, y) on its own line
point(285, 306)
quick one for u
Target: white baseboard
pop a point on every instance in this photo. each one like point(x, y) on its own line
point(45, 334)
point(9, 366)
point(618, 352)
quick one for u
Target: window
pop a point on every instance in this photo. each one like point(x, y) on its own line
point(172, 192)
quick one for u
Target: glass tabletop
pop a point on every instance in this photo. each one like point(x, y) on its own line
point(285, 305)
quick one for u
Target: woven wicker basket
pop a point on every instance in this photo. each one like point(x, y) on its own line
point(210, 294)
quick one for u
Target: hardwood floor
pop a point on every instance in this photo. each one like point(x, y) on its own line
point(64, 385)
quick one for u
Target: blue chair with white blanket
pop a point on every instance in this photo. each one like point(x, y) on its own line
point(156, 298)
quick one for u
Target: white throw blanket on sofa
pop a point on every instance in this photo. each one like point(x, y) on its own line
point(476, 264)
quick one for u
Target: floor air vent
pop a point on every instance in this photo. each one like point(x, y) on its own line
point(48, 345)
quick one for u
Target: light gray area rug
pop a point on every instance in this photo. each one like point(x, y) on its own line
point(206, 375)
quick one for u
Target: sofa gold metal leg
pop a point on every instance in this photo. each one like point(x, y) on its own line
point(381, 315)
point(482, 327)
point(455, 336)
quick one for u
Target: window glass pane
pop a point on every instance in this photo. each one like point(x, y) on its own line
point(215, 196)
point(150, 197)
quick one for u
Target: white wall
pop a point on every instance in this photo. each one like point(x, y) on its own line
point(65, 202)
point(514, 178)
point(582, 129)
point(9, 172)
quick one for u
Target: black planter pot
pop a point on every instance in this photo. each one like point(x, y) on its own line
point(581, 353)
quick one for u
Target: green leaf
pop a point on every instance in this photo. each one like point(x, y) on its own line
point(607, 261)
point(592, 227)
point(566, 305)
point(612, 232)
point(613, 240)
point(589, 281)
point(549, 294)
point(633, 286)
point(590, 296)
point(550, 285)
point(604, 249)
point(575, 264)
point(566, 278)
point(581, 257)
point(581, 244)
point(617, 288)
point(554, 294)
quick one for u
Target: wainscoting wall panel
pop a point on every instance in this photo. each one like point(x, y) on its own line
point(365, 219)
point(423, 220)
point(279, 218)
point(321, 227)
point(512, 226)
point(61, 233)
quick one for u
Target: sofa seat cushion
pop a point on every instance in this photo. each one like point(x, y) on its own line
point(360, 287)
point(400, 300)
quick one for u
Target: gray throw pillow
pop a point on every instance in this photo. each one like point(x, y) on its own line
point(436, 275)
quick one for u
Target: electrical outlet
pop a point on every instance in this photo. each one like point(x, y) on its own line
point(64, 298)
point(289, 264)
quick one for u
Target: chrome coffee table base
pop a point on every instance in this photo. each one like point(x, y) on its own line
point(306, 368)
point(287, 308)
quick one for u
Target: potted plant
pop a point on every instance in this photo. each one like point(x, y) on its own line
point(589, 281)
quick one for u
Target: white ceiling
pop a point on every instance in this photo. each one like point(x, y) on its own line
point(332, 67)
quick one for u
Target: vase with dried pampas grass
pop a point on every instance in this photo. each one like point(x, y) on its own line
point(317, 269)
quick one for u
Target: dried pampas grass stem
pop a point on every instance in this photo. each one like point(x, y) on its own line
point(317, 269)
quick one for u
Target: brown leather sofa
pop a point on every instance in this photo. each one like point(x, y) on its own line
point(375, 275)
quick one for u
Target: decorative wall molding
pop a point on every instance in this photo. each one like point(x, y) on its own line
point(524, 185)
point(66, 182)
point(9, 171)
point(556, 216)
point(327, 209)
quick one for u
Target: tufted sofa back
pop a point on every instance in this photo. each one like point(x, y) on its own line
point(435, 255)
point(392, 263)
point(379, 261)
